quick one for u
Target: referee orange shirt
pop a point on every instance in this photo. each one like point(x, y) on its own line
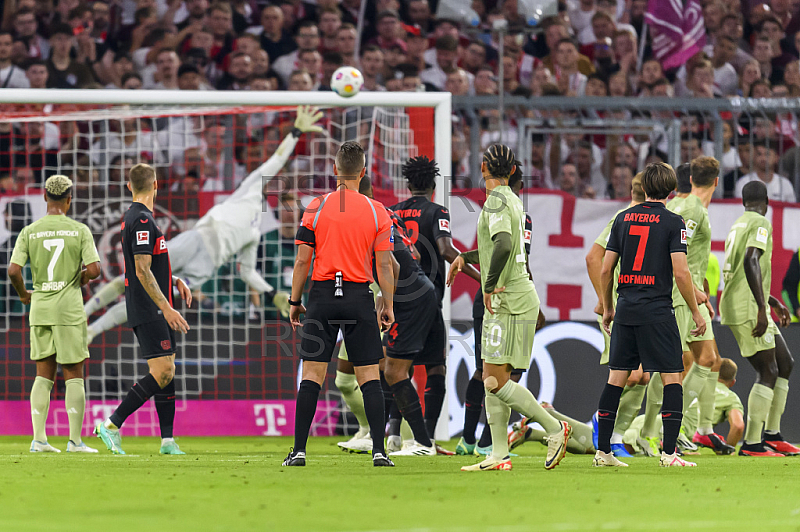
point(345, 228)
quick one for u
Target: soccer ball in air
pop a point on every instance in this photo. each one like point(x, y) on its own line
point(347, 81)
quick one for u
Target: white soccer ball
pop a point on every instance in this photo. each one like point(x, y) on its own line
point(347, 81)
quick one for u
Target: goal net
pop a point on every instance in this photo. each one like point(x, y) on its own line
point(239, 357)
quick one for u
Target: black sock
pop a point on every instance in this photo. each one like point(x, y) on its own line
point(486, 437)
point(138, 395)
point(307, 396)
point(607, 416)
point(388, 397)
point(165, 408)
point(373, 406)
point(472, 409)
point(407, 400)
point(672, 415)
point(395, 419)
point(434, 397)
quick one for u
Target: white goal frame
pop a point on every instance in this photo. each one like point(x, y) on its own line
point(441, 102)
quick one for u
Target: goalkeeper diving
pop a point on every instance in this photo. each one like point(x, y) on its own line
point(231, 228)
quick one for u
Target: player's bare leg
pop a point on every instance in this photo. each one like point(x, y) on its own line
point(75, 402)
point(40, 403)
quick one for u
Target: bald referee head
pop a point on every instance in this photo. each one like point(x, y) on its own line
point(340, 233)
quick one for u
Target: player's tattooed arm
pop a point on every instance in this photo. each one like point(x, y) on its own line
point(148, 280)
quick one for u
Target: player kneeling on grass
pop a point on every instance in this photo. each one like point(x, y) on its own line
point(56, 246)
point(743, 307)
point(649, 242)
point(148, 298)
point(511, 315)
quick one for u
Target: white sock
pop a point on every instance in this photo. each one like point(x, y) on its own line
point(167, 440)
point(616, 437)
point(109, 425)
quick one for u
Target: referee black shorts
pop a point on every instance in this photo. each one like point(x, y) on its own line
point(353, 313)
point(156, 339)
point(656, 346)
point(418, 331)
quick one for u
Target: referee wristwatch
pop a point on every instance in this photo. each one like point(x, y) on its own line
point(296, 303)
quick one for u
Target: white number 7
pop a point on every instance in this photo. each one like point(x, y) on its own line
point(48, 245)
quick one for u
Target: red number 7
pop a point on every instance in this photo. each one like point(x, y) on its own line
point(643, 232)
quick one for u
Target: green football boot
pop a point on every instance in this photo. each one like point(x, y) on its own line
point(110, 437)
point(170, 446)
point(464, 449)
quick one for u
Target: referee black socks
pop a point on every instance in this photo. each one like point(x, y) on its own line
point(165, 408)
point(434, 398)
point(373, 407)
point(672, 415)
point(607, 416)
point(307, 396)
point(138, 395)
point(407, 400)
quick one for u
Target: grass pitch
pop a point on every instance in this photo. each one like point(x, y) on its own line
point(235, 484)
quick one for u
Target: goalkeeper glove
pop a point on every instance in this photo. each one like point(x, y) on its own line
point(281, 302)
point(306, 120)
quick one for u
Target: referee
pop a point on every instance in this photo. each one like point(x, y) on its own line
point(341, 231)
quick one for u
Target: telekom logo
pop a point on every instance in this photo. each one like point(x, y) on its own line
point(100, 412)
point(270, 416)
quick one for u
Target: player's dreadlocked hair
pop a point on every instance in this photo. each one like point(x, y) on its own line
point(499, 160)
point(58, 187)
point(420, 172)
point(516, 177)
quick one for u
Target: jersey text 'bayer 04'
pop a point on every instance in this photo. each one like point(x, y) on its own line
point(737, 304)
point(503, 213)
point(698, 240)
point(645, 236)
point(56, 246)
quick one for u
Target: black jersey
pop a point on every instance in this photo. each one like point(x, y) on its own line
point(141, 236)
point(477, 304)
point(412, 281)
point(426, 222)
point(644, 236)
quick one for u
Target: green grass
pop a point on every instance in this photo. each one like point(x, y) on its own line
point(236, 484)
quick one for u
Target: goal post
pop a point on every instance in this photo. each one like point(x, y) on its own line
point(391, 126)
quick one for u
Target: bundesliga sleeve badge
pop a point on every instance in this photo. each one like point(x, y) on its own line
point(142, 237)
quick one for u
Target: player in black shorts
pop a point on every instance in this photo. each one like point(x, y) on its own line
point(649, 242)
point(416, 324)
point(475, 391)
point(148, 297)
point(428, 226)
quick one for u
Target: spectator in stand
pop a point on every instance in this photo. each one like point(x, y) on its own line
point(457, 83)
point(26, 30)
point(624, 55)
point(240, 70)
point(442, 27)
point(419, 13)
point(580, 14)
point(394, 83)
point(596, 86)
point(36, 72)
point(65, 72)
point(394, 56)
point(761, 88)
point(300, 80)
point(190, 79)
point(713, 12)
point(330, 62)
point(699, 79)
point(733, 28)
point(167, 65)
point(726, 79)
point(346, 39)
point(619, 185)
point(474, 57)
point(196, 14)
point(651, 73)
point(329, 21)
point(416, 47)
point(11, 76)
point(510, 83)
point(791, 75)
point(779, 188)
point(388, 24)
point(145, 21)
point(764, 53)
point(588, 161)
point(261, 64)
point(485, 81)
point(220, 22)
point(311, 61)
point(274, 39)
point(568, 77)
point(411, 80)
point(751, 72)
point(132, 81)
point(121, 65)
point(446, 59)
point(538, 173)
point(609, 7)
point(570, 182)
point(554, 32)
point(599, 49)
point(772, 28)
point(371, 67)
point(307, 38)
point(690, 148)
point(247, 43)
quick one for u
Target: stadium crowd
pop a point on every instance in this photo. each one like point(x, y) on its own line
point(591, 48)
